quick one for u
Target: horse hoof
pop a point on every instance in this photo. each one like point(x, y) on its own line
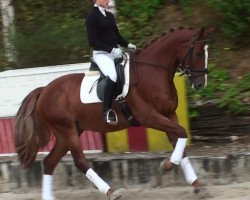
point(202, 192)
point(116, 194)
point(166, 166)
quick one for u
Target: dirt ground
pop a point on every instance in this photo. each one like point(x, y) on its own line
point(239, 191)
point(236, 191)
point(236, 146)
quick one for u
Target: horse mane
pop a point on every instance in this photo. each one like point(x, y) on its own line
point(163, 34)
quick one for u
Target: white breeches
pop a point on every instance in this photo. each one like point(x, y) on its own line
point(105, 62)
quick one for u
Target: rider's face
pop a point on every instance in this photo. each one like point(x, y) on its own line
point(103, 3)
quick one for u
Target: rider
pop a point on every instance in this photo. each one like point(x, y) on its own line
point(104, 37)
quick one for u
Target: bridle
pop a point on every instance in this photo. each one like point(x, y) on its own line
point(188, 68)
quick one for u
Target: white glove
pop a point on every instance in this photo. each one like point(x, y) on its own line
point(116, 52)
point(131, 47)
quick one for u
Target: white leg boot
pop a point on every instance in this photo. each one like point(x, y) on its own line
point(178, 151)
point(47, 190)
point(188, 170)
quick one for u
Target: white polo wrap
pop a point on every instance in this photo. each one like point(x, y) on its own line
point(178, 151)
point(99, 183)
point(188, 170)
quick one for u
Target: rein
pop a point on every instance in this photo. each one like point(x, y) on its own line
point(155, 65)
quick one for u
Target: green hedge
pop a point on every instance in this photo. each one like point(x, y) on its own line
point(50, 32)
point(133, 17)
point(234, 16)
point(230, 96)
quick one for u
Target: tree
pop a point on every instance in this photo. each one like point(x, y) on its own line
point(7, 11)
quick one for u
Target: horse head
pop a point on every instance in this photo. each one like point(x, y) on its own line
point(183, 49)
point(193, 58)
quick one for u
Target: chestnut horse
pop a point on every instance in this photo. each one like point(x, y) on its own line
point(152, 99)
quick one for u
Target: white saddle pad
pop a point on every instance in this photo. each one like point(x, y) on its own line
point(88, 93)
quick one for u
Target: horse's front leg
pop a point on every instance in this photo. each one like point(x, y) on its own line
point(168, 164)
point(178, 137)
point(148, 116)
point(156, 120)
point(185, 163)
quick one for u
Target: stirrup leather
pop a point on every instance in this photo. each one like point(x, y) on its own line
point(111, 117)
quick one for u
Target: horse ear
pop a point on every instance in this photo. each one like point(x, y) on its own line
point(201, 32)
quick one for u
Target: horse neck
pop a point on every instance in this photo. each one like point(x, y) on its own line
point(150, 80)
point(162, 61)
point(163, 52)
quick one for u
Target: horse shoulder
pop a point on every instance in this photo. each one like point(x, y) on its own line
point(167, 104)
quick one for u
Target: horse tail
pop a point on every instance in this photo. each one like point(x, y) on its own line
point(26, 133)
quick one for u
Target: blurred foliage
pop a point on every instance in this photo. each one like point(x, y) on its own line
point(235, 16)
point(64, 44)
point(187, 6)
point(3, 60)
point(220, 90)
point(50, 32)
point(235, 95)
point(133, 16)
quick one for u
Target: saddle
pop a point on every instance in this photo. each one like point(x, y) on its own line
point(102, 81)
point(92, 87)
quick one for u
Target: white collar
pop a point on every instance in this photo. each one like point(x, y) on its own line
point(102, 10)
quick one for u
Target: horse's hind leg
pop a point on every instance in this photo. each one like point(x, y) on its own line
point(82, 164)
point(49, 164)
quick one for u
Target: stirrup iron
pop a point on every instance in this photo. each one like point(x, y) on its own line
point(111, 117)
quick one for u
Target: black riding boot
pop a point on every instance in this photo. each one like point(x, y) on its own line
point(110, 116)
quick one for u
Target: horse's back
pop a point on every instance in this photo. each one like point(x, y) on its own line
point(67, 80)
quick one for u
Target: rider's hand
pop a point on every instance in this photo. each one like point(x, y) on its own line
point(116, 52)
point(131, 47)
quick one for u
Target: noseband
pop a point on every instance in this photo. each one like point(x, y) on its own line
point(188, 69)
